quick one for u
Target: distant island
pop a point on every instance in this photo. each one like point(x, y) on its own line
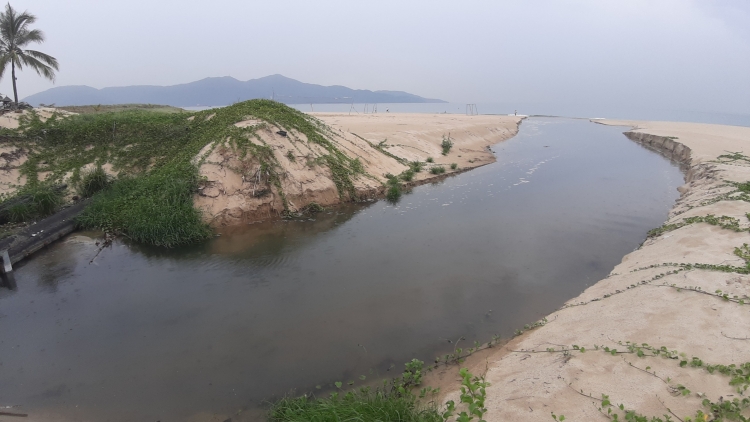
point(221, 91)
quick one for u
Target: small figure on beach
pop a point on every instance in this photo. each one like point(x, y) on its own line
point(515, 112)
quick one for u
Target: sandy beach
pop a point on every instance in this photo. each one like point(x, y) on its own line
point(653, 297)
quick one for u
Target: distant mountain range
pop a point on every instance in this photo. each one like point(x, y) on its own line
point(221, 91)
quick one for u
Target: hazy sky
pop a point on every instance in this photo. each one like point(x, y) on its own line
point(692, 55)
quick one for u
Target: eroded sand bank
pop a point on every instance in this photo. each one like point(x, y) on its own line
point(633, 304)
point(383, 142)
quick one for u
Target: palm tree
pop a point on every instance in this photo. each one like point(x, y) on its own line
point(14, 36)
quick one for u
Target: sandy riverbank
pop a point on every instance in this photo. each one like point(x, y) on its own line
point(633, 305)
point(383, 142)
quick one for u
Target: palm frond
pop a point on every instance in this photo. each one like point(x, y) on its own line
point(25, 37)
point(4, 60)
point(41, 68)
point(45, 58)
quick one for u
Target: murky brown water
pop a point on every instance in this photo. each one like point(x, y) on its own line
point(145, 334)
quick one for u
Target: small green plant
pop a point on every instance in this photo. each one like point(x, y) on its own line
point(437, 170)
point(393, 194)
point(416, 166)
point(312, 208)
point(357, 167)
point(446, 144)
point(473, 395)
point(454, 166)
point(407, 175)
point(430, 160)
point(290, 156)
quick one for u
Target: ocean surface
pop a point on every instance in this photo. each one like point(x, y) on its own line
point(534, 109)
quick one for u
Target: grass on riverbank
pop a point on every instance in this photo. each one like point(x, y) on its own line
point(155, 157)
point(394, 401)
point(362, 405)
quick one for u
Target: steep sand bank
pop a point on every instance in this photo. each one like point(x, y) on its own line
point(632, 304)
point(383, 143)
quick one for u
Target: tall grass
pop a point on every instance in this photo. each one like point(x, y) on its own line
point(91, 182)
point(363, 405)
point(156, 208)
point(35, 200)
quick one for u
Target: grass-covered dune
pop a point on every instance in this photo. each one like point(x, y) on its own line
point(165, 177)
point(146, 165)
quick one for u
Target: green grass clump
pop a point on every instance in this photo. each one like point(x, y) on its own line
point(454, 166)
point(35, 200)
point(393, 194)
point(446, 144)
point(430, 160)
point(416, 166)
point(744, 187)
point(155, 208)
point(363, 405)
point(407, 175)
point(91, 182)
point(437, 170)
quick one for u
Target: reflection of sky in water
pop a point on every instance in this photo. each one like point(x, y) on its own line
point(144, 333)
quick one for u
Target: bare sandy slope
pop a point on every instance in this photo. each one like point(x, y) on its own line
point(632, 304)
point(232, 197)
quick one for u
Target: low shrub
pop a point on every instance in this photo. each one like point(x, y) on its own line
point(416, 166)
point(393, 194)
point(437, 170)
point(454, 166)
point(446, 144)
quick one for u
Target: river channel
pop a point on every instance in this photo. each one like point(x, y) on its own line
point(145, 334)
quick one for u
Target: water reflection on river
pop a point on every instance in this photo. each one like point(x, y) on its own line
point(150, 334)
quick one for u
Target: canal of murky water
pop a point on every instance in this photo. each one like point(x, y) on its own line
point(144, 334)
